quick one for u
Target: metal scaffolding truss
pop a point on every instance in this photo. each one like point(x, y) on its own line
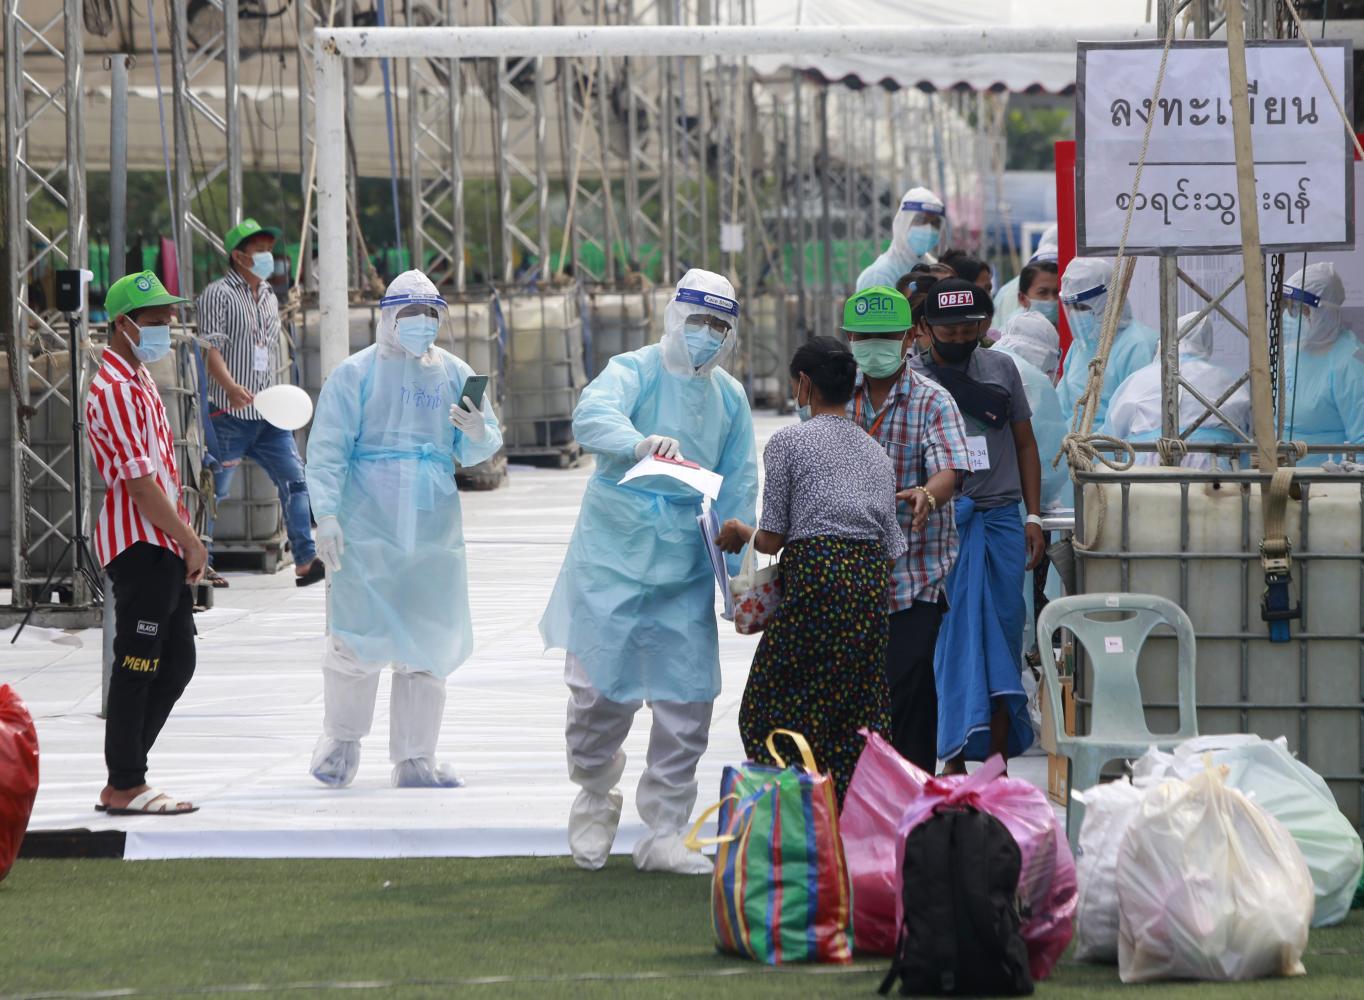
point(219, 52)
point(43, 387)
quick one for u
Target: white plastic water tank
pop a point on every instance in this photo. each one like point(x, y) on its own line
point(1309, 689)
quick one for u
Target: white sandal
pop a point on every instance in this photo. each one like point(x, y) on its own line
point(152, 802)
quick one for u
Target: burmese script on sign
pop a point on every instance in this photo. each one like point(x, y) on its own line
point(1187, 201)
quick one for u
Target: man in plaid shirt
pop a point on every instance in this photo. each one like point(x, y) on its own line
point(919, 425)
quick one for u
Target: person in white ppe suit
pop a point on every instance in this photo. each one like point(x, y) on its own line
point(1323, 364)
point(634, 606)
point(1035, 347)
point(1085, 288)
point(916, 232)
point(1135, 410)
point(392, 422)
point(1006, 299)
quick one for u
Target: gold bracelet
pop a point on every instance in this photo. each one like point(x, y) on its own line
point(932, 500)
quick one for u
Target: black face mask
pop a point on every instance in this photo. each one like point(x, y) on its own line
point(954, 354)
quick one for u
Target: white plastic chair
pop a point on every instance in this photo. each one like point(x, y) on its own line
point(1112, 628)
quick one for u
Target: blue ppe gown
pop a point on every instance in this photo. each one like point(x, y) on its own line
point(1133, 347)
point(635, 600)
point(1324, 394)
point(381, 459)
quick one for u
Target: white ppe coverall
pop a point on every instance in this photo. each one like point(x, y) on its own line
point(381, 464)
point(1323, 364)
point(1085, 288)
point(634, 605)
point(913, 238)
point(1135, 410)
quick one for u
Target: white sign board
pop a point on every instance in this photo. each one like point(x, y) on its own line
point(1187, 202)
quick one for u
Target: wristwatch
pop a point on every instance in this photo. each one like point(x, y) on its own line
point(1035, 519)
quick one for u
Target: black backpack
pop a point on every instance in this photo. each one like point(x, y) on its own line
point(960, 934)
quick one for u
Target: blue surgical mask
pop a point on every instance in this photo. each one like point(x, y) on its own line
point(154, 343)
point(263, 264)
point(802, 411)
point(701, 343)
point(1047, 308)
point(1084, 326)
point(417, 333)
point(922, 239)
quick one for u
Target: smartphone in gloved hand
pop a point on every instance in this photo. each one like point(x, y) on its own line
point(474, 388)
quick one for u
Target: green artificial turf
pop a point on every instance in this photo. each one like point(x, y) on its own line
point(430, 928)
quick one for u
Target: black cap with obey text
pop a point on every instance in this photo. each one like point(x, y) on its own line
point(953, 300)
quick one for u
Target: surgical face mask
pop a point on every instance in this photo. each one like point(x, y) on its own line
point(952, 352)
point(922, 239)
point(1084, 324)
point(154, 342)
point(263, 264)
point(417, 333)
point(879, 358)
point(802, 410)
point(702, 344)
point(1047, 308)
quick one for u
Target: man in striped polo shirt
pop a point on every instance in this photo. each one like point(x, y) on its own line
point(143, 540)
point(239, 320)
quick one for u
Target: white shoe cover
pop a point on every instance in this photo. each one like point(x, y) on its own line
point(423, 772)
point(667, 852)
point(592, 823)
point(336, 761)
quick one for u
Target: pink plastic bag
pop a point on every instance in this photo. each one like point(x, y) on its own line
point(889, 796)
point(882, 785)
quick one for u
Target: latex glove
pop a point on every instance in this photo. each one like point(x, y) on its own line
point(330, 544)
point(657, 444)
point(468, 420)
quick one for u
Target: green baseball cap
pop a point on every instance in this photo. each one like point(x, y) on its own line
point(244, 230)
point(137, 291)
point(878, 309)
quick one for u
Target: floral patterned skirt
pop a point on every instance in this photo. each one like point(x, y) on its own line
point(820, 668)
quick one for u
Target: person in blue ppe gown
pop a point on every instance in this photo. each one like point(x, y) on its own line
point(1035, 347)
point(1085, 288)
point(1135, 410)
point(916, 231)
point(1323, 364)
point(392, 422)
point(1010, 298)
point(634, 606)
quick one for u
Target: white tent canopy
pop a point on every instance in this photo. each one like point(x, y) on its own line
point(1047, 71)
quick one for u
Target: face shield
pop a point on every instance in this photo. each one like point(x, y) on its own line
point(410, 314)
point(920, 225)
point(1312, 301)
point(700, 324)
point(1084, 295)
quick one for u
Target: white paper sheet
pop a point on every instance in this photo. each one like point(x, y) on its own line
point(704, 481)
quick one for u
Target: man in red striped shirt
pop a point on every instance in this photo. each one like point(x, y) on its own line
point(144, 541)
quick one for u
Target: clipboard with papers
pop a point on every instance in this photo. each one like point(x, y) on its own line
point(709, 523)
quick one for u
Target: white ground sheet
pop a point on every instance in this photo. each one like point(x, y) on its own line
point(240, 740)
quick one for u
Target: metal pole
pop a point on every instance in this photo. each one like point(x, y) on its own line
point(118, 165)
point(180, 227)
point(455, 105)
point(1262, 410)
point(798, 244)
point(1169, 347)
point(231, 100)
point(330, 118)
point(16, 324)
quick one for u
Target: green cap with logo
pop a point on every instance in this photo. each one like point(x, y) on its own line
point(244, 230)
point(137, 291)
point(878, 309)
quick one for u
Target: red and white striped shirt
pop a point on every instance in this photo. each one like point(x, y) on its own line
point(130, 438)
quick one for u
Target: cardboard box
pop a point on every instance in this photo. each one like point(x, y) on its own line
point(1058, 767)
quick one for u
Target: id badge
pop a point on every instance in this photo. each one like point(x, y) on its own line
point(978, 453)
point(261, 360)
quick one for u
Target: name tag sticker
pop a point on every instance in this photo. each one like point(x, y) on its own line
point(1112, 644)
point(261, 359)
point(978, 453)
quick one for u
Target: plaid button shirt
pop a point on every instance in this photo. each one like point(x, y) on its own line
point(923, 433)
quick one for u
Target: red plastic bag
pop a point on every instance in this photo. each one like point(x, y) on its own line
point(889, 796)
point(18, 774)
